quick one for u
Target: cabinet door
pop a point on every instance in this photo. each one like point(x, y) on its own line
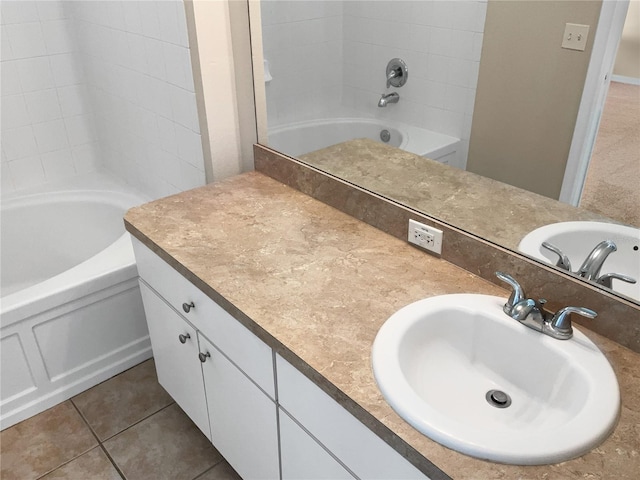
point(243, 419)
point(303, 458)
point(177, 363)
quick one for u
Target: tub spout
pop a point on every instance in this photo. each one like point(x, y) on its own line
point(385, 99)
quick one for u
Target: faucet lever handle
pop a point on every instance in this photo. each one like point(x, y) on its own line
point(561, 321)
point(517, 293)
point(563, 261)
point(607, 279)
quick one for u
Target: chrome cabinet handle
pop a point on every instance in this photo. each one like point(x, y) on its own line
point(184, 337)
point(187, 307)
point(203, 356)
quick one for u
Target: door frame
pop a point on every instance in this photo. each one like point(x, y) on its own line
point(594, 96)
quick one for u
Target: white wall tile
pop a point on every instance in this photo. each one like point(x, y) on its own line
point(51, 136)
point(43, 105)
point(149, 18)
point(132, 19)
point(19, 143)
point(58, 164)
point(51, 10)
point(168, 21)
point(66, 70)
point(27, 172)
point(14, 112)
point(189, 145)
point(178, 65)
point(10, 83)
point(167, 134)
point(26, 40)
point(58, 37)
point(155, 57)
point(35, 74)
point(7, 53)
point(80, 130)
point(17, 11)
point(6, 178)
point(183, 104)
point(85, 158)
point(73, 100)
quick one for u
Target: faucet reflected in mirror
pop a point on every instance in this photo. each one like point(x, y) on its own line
point(507, 104)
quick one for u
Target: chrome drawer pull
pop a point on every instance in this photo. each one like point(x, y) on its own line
point(203, 356)
point(184, 338)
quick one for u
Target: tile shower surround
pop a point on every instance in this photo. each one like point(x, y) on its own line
point(351, 43)
point(618, 320)
point(127, 427)
point(99, 84)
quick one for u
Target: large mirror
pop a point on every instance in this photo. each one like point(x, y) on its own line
point(469, 111)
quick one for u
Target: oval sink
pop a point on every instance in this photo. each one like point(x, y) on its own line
point(577, 239)
point(440, 361)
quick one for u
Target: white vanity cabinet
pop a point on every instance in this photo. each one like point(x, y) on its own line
point(219, 372)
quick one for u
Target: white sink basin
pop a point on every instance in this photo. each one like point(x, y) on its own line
point(577, 239)
point(435, 360)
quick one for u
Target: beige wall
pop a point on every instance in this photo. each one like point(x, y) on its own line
point(628, 56)
point(529, 91)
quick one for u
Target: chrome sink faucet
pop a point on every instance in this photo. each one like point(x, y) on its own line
point(592, 265)
point(531, 313)
point(388, 98)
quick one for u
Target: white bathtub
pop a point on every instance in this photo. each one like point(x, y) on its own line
point(70, 313)
point(303, 137)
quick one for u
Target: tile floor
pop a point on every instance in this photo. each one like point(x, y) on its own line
point(125, 428)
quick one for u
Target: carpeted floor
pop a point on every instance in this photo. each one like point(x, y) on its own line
point(612, 187)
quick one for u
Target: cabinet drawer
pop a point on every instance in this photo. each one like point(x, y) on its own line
point(246, 350)
point(357, 447)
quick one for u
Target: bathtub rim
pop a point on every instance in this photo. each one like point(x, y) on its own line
point(113, 264)
point(432, 144)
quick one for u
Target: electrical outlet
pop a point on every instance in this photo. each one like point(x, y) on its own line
point(425, 236)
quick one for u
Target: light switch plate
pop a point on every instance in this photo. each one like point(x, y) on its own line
point(575, 36)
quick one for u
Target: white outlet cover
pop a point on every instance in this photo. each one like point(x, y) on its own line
point(575, 36)
point(435, 247)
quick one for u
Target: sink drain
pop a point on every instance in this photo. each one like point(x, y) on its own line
point(385, 136)
point(498, 399)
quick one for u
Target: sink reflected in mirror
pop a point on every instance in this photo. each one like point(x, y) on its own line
point(465, 374)
point(577, 240)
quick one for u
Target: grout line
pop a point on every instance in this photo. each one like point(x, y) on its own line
point(113, 462)
point(209, 469)
point(138, 421)
point(67, 462)
point(84, 419)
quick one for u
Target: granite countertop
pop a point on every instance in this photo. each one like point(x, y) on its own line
point(316, 285)
point(490, 209)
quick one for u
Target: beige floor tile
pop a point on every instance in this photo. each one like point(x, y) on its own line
point(166, 445)
point(123, 400)
point(222, 471)
point(93, 465)
point(43, 442)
